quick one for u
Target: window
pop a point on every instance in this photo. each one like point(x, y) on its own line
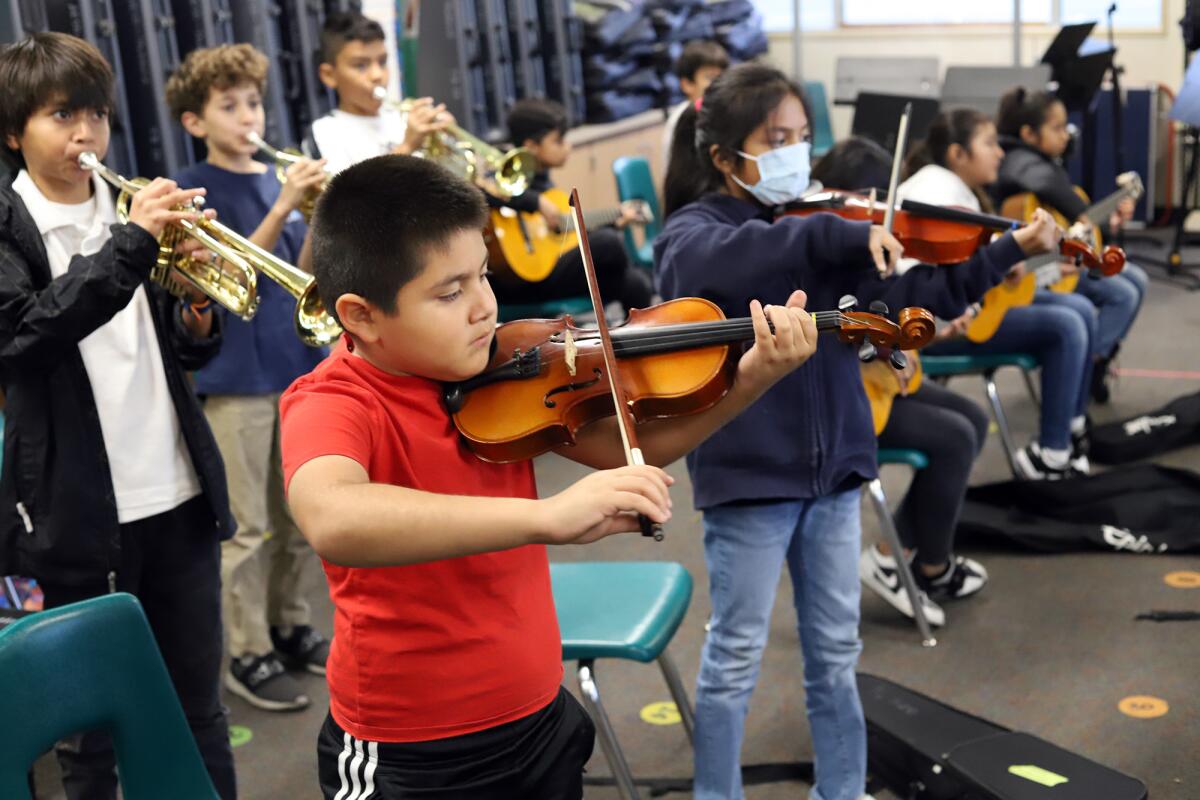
point(815, 15)
point(939, 12)
point(1131, 14)
point(821, 15)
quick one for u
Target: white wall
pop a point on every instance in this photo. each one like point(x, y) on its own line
point(1148, 58)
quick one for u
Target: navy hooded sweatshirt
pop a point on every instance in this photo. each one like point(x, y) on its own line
point(811, 434)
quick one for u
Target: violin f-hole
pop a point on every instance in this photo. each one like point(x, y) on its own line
point(571, 387)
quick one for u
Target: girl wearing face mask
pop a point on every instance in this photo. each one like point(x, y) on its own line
point(780, 483)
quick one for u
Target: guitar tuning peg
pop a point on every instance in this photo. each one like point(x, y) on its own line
point(867, 352)
point(898, 359)
point(879, 307)
point(848, 302)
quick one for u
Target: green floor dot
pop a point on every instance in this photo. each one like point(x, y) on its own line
point(239, 735)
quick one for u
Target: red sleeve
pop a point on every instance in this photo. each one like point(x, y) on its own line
point(320, 421)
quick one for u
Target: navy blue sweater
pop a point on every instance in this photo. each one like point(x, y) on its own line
point(811, 435)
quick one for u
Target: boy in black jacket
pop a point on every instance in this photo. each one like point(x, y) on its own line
point(111, 478)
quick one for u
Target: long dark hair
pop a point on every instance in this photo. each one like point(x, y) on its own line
point(1020, 107)
point(734, 105)
point(956, 127)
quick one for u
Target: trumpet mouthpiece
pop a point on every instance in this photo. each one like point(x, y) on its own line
point(254, 139)
point(379, 93)
point(88, 160)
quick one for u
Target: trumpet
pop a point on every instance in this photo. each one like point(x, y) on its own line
point(284, 159)
point(232, 278)
point(504, 174)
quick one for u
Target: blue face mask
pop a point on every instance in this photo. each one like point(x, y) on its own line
point(783, 174)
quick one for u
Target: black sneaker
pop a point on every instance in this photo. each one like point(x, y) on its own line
point(304, 649)
point(879, 573)
point(963, 578)
point(263, 683)
point(1031, 466)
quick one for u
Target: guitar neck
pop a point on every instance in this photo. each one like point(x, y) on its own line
point(1098, 213)
point(596, 218)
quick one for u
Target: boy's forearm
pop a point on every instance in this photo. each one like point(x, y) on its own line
point(376, 525)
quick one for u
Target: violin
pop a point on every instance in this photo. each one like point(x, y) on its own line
point(547, 378)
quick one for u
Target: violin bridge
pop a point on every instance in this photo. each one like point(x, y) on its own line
point(569, 352)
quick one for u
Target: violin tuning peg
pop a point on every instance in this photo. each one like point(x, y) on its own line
point(848, 303)
point(867, 352)
point(879, 307)
point(898, 359)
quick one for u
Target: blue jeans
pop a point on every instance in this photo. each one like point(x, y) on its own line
point(1118, 300)
point(1055, 330)
point(745, 547)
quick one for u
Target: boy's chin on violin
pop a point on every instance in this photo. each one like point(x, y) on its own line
point(442, 322)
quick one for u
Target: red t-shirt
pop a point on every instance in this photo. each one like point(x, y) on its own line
point(434, 650)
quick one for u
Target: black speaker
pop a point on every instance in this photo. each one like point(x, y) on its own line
point(308, 98)
point(499, 81)
point(562, 45)
point(19, 18)
point(94, 21)
point(451, 65)
point(258, 22)
point(529, 66)
point(202, 23)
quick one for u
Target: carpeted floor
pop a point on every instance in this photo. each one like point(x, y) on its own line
point(1049, 647)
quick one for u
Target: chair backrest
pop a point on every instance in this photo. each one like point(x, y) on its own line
point(95, 666)
point(822, 125)
point(634, 182)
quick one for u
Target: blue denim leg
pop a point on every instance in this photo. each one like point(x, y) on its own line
point(1091, 320)
point(745, 548)
point(1118, 300)
point(823, 561)
point(1140, 280)
point(1058, 338)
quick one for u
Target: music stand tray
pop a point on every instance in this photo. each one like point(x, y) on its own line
point(981, 88)
point(875, 116)
point(913, 77)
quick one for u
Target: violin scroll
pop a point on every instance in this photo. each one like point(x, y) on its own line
point(916, 328)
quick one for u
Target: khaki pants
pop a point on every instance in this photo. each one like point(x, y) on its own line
point(265, 565)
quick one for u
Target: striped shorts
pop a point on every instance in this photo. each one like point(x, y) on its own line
point(540, 756)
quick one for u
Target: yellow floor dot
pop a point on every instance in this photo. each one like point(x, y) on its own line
point(1183, 579)
point(1141, 706)
point(661, 713)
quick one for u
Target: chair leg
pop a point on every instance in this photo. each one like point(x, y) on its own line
point(679, 694)
point(993, 395)
point(1033, 392)
point(608, 739)
point(888, 527)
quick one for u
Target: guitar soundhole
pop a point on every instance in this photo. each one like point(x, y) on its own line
point(571, 387)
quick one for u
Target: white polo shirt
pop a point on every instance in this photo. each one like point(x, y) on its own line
point(152, 471)
point(345, 139)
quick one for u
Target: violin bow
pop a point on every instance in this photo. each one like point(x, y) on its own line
point(897, 158)
point(625, 422)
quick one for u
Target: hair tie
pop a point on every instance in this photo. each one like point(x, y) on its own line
point(698, 103)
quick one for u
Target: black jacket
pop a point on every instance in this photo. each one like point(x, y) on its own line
point(58, 512)
point(1026, 169)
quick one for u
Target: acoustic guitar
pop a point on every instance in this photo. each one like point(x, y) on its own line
point(522, 245)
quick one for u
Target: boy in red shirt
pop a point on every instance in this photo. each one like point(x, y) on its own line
point(446, 666)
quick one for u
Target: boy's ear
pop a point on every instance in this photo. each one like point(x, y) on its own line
point(688, 87)
point(1029, 135)
point(357, 315)
point(326, 73)
point(13, 142)
point(193, 123)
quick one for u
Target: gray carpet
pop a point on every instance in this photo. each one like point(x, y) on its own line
point(1049, 647)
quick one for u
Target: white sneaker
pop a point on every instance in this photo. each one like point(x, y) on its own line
point(1032, 467)
point(880, 574)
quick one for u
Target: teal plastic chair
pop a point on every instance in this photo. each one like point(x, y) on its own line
point(627, 610)
point(634, 182)
point(918, 461)
point(946, 367)
point(551, 309)
point(822, 124)
point(94, 666)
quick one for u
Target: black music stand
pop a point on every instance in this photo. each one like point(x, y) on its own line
point(1079, 71)
point(875, 116)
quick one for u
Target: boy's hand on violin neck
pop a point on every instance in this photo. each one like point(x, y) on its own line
point(1040, 235)
point(885, 249)
point(604, 503)
point(777, 353)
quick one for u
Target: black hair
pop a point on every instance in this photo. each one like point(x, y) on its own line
point(342, 27)
point(956, 127)
point(44, 66)
point(535, 118)
point(736, 103)
point(698, 54)
point(1020, 107)
point(855, 164)
point(377, 220)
